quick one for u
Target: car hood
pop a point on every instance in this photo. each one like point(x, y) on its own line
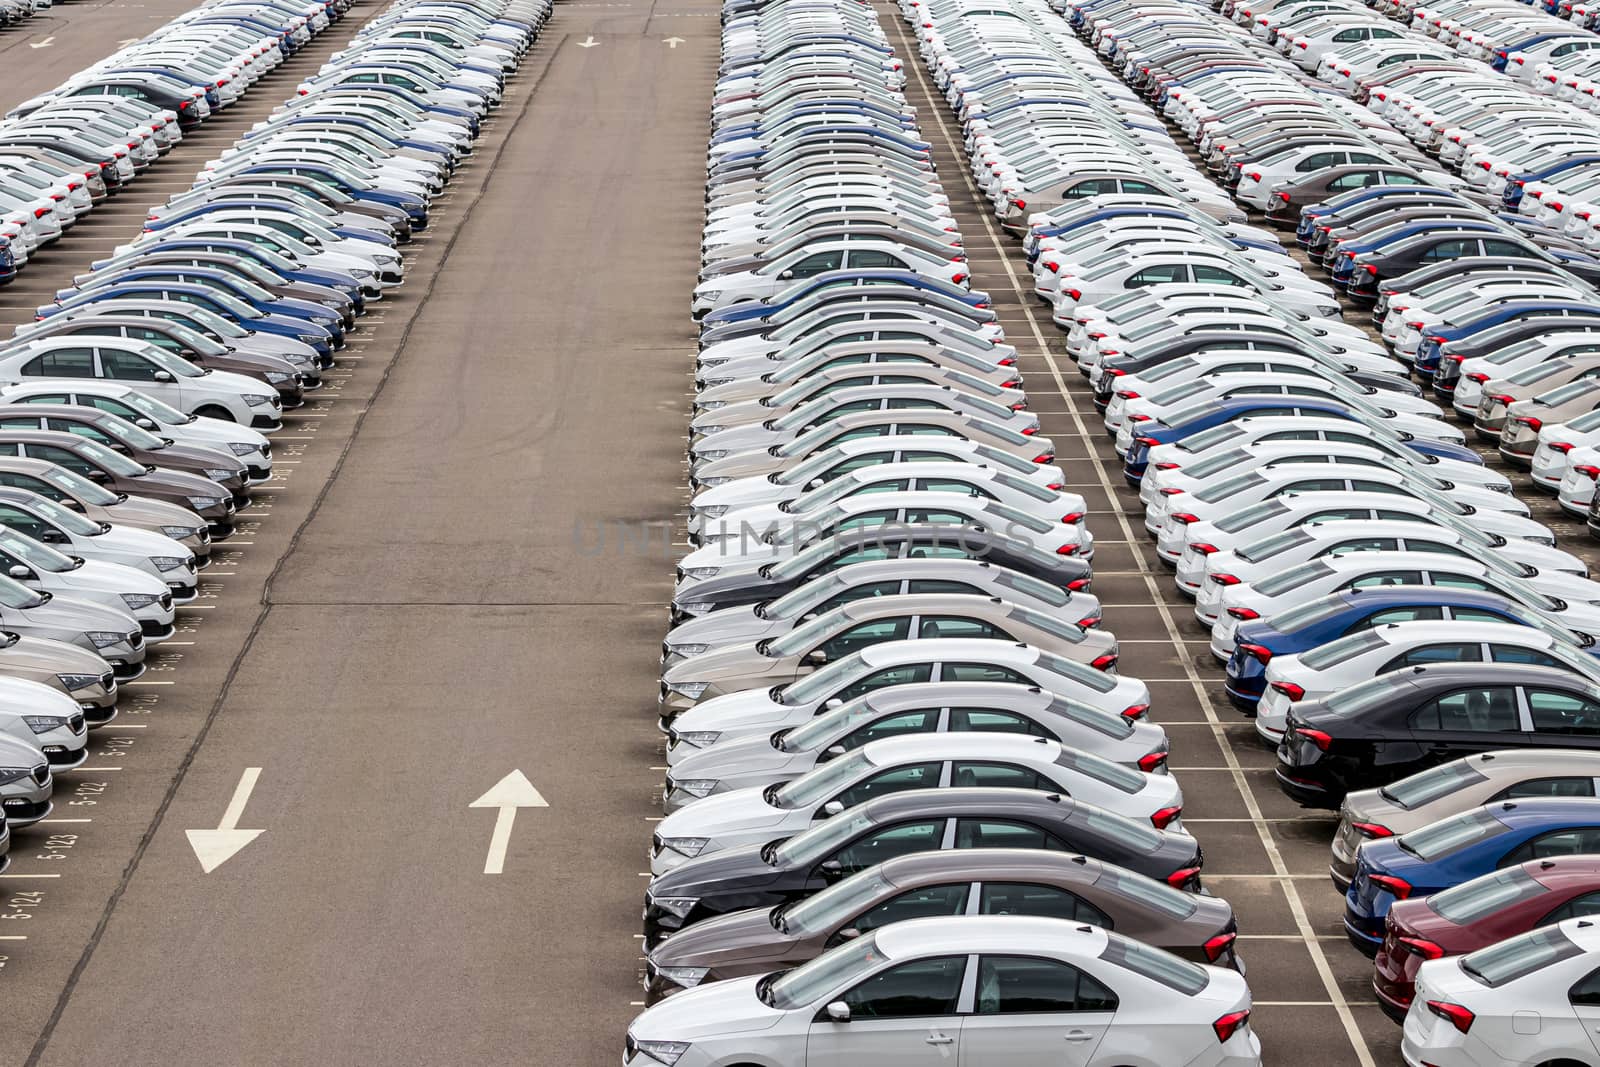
point(736, 661)
point(167, 480)
point(74, 613)
point(104, 578)
point(144, 511)
point(723, 626)
point(737, 755)
point(733, 585)
point(706, 1011)
point(195, 455)
point(742, 811)
point(743, 938)
point(730, 870)
point(749, 710)
point(133, 541)
point(20, 696)
point(38, 654)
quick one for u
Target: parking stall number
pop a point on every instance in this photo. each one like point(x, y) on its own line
point(21, 904)
point(87, 794)
point(56, 847)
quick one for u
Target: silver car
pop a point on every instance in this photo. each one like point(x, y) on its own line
point(863, 623)
point(110, 633)
point(25, 781)
point(930, 707)
point(46, 718)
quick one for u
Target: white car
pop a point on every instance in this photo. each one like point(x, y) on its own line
point(1475, 1010)
point(1139, 1004)
point(952, 659)
point(1359, 656)
point(777, 809)
point(46, 718)
point(142, 595)
point(725, 290)
point(1556, 443)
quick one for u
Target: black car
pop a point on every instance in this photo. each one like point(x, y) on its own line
point(904, 541)
point(764, 876)
point(1442, 242)
point(1367, 220)
point(1453, 269)
point(1382, 730)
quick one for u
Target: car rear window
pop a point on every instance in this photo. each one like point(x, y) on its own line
point(1082, 673)
point(1115, 827)
point(1231, 487)
point(1268, 547)
point(1438, 840)
point(1293, 578)
point(1240, 520)
point(1481, 897)
point(1310, 613)
point(1519, 957)
point(1148, 891)
point(1346, 648)
point(1105, 722)
point(1156, 964)
point(1427, 786)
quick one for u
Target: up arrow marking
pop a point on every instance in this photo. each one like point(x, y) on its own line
point(213, 848)
point(508, 794)
point(673, 42)
point(588, 42)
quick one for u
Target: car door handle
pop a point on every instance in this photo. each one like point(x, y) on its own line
point(939, 1039)
point(1078, 1035)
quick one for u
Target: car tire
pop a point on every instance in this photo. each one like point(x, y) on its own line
point(214, 411)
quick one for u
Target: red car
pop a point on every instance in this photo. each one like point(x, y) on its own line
point(1476, 914)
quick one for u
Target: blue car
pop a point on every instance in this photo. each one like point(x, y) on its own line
point(1143, 213)
point(279, 265)
point(1311, 214)
point(833, 279)
point(1344, 266)
point(235, 311)
point(414, 206)
point(221, 281)
point(1192, 420)
point(1511, 195)
point(1427, 358)
point(1330, 617)
point(1459, 848)
point(167, 221)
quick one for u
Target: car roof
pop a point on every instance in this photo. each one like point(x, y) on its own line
point(1023, 934)
point(1440, 676)
point(937, 746)
point(966, 801)
point(988, 864)
point(985, 649)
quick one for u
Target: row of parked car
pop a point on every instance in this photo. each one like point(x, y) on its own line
point(1416, 648)
point(136, 409)
point(15, 11)
point(911, 807)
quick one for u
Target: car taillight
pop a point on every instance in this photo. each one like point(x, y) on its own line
point(1415, 326)
point(1398, 888)
point(1165, 466)
point(1454, 358)
point(1009, 361)
point(1080, 585)
point(1163, 818)
point(1020, 205)
point(1067, 550)
point(1052, 266)
point(1371, 829)
point(1089, 622)
point(1076, 294)
point(1254, 175)
point(1171, 490)
point(1530, 422)
point(1150, 761)
point(1477, 376)
point(1502, 398)
point(1135, 711)
point(40, 212)
point(1072, 517)
point(1244, 614)
point(1044, 457)
point(1029, 431)
point(1284, 197)
point(1216, 946)
point(1426, 949)
point(1370, 269)
point(1224, 579)
point(1316, 737)
point(1148, 442)
point(1588, 470)
point(958, 277)
point(183, 105)
point(1291, 690)
point(1182, 878)
point(1105, 662)
point(1454, 1014)
point(1259, 653)
point(1230, 1023)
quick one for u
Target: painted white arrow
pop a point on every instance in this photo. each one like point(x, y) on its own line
point(673, 42)
point(588, 42)
point(213, 848)
point(42, 44)
point(508, 794)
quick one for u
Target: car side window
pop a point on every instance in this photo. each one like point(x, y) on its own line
point(50, 398)
point(925, 903)
point(127, 367)
point(1582, 907)
point(905, 722)
point(910, 990)
point(885, 843)
point(955, 626)
point(1204, 272)
point(817, 264)
point(1320, 160)
point(1574, 841)
point(24, 481)
point(63, 363)
point(1385, 578)
point(994, 721)
point(861, 592)
point(1389, 615)
point(874, 258)
point(1164, 274)
point(1557, 712)
point(980, 672)
point(1452, 652)
point(905, 674)
point(951, 485)
point(1346, 36)
point(1506, 249)
point(1453, 249)
point(865, 634)
point(1025, 985)
point(79, 428)
point(1548, 787)
point(892, 780)
point(1476, 615)
point(1003, 833)
point(23, 522)
point(1485, 709)
point(940, 585)
point(1046, 901)
point(1518, 654)
point(1361, 544)
point(62, 457)
point(1314, 485)
point(1460, 581)
point(972, 774)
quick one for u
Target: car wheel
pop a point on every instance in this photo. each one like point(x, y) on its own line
point(212, 411)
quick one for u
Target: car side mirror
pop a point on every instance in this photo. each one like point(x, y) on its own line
point(834, 703)
point(17, 570)
point(99, 476)
point(73, 504)
point(839, 1011)
point(817, 657)
point(53, 537)
point(834, 751)
point(785, 275)
point(145, 424)
point(849, 933)
point(815, 483)
point(162, 376)
point(833, 807)
point(118, 446)
point(313, 241)
point(832, 870)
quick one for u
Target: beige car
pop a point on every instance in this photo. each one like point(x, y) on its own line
point(82, 675)
point(1527, 383)
point(844, 630)
point(1520, 436)
point(95, 501)
point(1454, 787)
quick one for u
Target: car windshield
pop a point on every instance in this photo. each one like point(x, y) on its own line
point(1519, 957)
point(66, 518)
point(1482, 897)
point(178, 368)
point(1225, 459)
point(1293, 578)
point(1231, 487)
point(1440, 839)
point(115, 462)
point(1268, 547)
point(154, 409)
point(813, 687)
point(38, 556)
point(813, 467)
point(199, 342)
point(817, 785)
point(13, 594)
point(821, 839)
point(832, 970)
point(1425, 787)
point(822, 912)
point(80, 487)
point(823, 729)
point(798, 601)
point(1081, 673)
point(821, 498)
point(1343, 650)
point(806, 636)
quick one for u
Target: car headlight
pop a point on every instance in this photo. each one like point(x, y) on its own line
point(688, 650)
point(16, 774)
point(685, 846)
point(716, 511)
point(715, 453)
point(362, 272)
point(695, 608)
point(697, 787)
point(716, 361)
point(716, 381)
point(702, 572)
point(715, 481)
point(43, 724)
point(135, 601)
point(688, 977)
point(277, 377)
point(178, 533)
point(321, 321)
point(239, 448)
point(105, 638)
point(311, 338)
point(169, 563)
point(255, 400)
point(706, 431)
point(679, 906)
point(1328, 311)
point(711, 405)
point(218, 474)
point(335, 304)
point(711, 294)
point(204, 501)
point(692, 690)
point(73, 682)
point(699, 738)
point(667, 1052)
